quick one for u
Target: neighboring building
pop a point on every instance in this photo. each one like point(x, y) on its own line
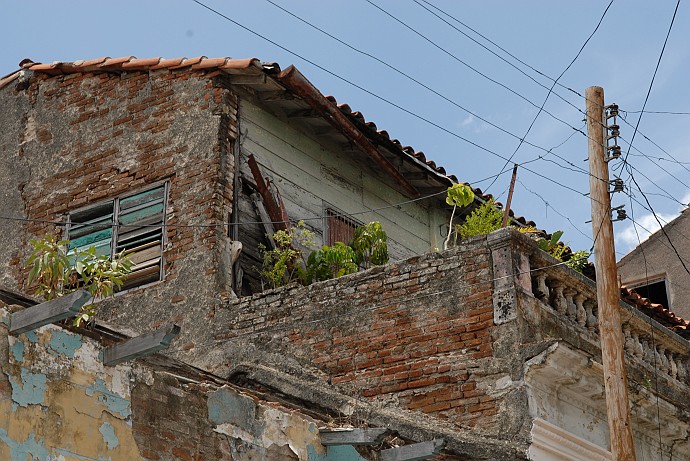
point(655, 271)
point(489, 349)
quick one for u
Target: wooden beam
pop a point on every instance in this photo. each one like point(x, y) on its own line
point(48, 312)
point(247, 79)
point(414, 452)
point(353, 436)
point(277, 95)
point(140, 346)
point(303, 113)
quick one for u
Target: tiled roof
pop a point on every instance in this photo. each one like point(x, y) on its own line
point(657, 311)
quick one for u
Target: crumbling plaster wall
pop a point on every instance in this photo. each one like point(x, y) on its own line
point(58, 402)
point(77, 139)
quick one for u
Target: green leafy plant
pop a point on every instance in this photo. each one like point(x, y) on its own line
point(285, 263)
point(458, 195)
point(331, 262)
point(56, 271)
point(559, 250)
point(370, 245)
point(485, 219)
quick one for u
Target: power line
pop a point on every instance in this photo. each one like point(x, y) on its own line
point(429, 5)
point(387, 101)
point(651, 84)
point(502, 49)
point(541, 108)
point(436, 45)
point(413, 79)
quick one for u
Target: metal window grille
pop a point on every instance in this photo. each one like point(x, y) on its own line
point(340, 227)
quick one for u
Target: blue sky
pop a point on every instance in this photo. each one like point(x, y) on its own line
point(547, 35)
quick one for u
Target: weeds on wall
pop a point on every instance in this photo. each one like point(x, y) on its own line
point(286, 262)
point(55, 271)
point(488, 217)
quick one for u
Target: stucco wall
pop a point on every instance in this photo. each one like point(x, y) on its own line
point(656, 257)
point(59, 403)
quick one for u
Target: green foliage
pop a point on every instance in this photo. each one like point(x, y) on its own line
point(459, 195)
point(331, 262)
point(578, 260)
point(57, 271)
point(285, 263)
point(559, 250)
point(485, 219)
point(370, 245)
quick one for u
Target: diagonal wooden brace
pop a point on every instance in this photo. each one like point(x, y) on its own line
point(48, 312)
point(140, 346)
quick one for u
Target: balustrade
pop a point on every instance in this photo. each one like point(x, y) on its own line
point(573, 299)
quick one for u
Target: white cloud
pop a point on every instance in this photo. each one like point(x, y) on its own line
point(646, 225)
point(467, 121)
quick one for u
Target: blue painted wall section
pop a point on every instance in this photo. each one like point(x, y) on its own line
point(30, 449)
point(116, 404)
point(64, 342)
point(108, 433)
point(18, 351)
point(335, 453)
point(225, 406)
point(31, 390)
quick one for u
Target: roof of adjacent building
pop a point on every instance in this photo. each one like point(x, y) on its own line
point(656, 311)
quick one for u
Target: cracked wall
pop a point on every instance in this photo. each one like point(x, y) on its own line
point(58, 402)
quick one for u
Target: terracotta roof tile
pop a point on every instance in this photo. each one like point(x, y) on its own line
point(656, 311)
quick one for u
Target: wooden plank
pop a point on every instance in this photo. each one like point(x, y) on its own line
point(140, 346)
point(48, 312)
point(414, 452)
point(353, 436)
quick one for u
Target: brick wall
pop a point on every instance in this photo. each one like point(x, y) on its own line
point(418, 333)
point(89, 137)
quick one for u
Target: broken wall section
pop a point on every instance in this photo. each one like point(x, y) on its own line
point(59, 402)
point(415, 336)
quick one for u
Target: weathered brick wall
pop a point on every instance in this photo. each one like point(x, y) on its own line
point(84, 138)
point(418, 333)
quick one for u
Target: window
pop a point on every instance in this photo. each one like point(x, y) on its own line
point(339, 226)
point(655, 292)
point(132, 223)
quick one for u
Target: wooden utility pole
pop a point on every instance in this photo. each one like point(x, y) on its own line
point(510, 196)
point(608, 291)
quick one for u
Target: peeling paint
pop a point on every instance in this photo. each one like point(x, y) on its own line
point(64, 342)
point(31, 390)
point(32, 336)
point(18, 351)
point(225, 406)
point(108, 433)
point(29, 449)
point(116, 404)
point(334, 453)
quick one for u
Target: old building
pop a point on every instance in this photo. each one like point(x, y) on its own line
point(654, 269)
point(486, 351)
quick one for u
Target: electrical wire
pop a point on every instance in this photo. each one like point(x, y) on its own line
point(541, 108)
point(397, 106)
point(411, 78)
point(456, 58)
point(302, 322)
point(502, 49)
point(651, 84)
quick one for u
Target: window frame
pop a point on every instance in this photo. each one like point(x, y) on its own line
point(116, 227)
point(330, 212)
